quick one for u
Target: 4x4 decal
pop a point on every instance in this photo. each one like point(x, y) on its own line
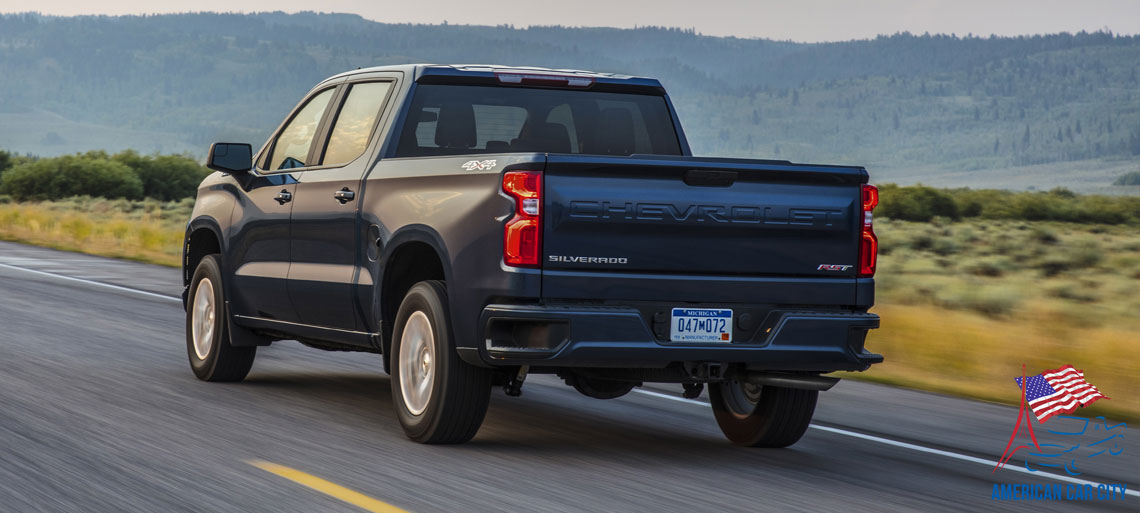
point(478, 165)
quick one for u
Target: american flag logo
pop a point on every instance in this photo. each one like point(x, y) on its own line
point(1056, 392)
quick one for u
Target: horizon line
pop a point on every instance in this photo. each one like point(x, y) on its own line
point(510, 26)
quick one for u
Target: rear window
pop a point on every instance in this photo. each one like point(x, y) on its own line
point(460, 120)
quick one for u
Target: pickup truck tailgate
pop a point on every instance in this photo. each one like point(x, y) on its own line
point(700, 216)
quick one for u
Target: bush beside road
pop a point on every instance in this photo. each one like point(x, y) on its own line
point(126, 174)
point(964, 303)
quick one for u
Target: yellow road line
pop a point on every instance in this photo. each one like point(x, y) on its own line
point(327, 487)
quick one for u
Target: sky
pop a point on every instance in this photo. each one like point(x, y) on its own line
point(796, 20)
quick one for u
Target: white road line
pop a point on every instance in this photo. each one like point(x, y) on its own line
point(913, 447)
point(97, 283)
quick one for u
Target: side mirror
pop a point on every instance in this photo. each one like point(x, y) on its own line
point(233, 158)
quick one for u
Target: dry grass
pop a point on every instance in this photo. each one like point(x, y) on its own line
point(964, 305)
point(148, 231)
point(968, 354)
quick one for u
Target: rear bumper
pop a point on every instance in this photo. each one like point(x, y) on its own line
point(620, 337)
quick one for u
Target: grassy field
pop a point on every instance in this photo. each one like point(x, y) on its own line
point(964, 304)
point(148, 230)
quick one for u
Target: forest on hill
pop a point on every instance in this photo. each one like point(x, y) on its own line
point(1012, 112)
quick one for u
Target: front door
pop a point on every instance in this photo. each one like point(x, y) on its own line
point(325, 235)
point(259, 251)
point(259, 246)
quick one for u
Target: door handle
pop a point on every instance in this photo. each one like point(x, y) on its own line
point(283, 197)
point(344, 195)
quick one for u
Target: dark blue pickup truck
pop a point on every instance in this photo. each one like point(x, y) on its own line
point(476, 224)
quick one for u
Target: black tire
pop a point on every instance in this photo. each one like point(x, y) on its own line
point(457, 400)
point(779, 417)
point(221, 361)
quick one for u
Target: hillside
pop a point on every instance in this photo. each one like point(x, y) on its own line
point(1027, 112)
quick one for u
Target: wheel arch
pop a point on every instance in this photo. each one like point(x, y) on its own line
point(203, 237)
point(413, 254)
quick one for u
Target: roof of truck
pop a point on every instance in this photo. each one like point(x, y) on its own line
point(491, 71)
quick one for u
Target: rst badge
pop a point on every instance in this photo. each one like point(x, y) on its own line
point(479, 165)
point(833, 267)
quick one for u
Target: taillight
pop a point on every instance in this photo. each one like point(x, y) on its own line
point(868, 243)
point(522, 235)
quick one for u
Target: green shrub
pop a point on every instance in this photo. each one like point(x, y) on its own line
point(922, 241)
point(944, 246)
point(1129, 178)
point(991, 301)
point(1106, 210)
point(5, 161)
point(887, 244)
point(1085, 254)
point(916, 203)
point(1054, 265)
point(921, 203)
point(967, 235)
point(1076, 292)
point(991, 267)
point(1044, 235)
point(164, 177)
point(70, 175)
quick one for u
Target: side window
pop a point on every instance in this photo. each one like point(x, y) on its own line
point(353, 126)
point(630, 111)
point(497, 123)
point(291, 148)
point(425, 127)
point(495, 126)
point(563, 115)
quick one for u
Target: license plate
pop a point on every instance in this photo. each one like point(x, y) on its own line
point(701, 325)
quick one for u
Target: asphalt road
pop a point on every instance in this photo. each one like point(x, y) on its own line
point(99, 412)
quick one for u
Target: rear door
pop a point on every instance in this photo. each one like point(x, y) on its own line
point(324, 239)
point(694, 217)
